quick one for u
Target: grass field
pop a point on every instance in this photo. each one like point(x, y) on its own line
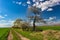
point(36, 35)
point(4, 33)
point(48, 28)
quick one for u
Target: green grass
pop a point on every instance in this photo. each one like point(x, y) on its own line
point(15, 37)
point(27, 34)
point(37, 35)
point(48, 28)
point(4, 33)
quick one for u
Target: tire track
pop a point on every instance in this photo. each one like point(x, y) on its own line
point(10, 36)
point(20, 36)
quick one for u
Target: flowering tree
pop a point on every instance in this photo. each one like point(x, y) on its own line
point(17, 23)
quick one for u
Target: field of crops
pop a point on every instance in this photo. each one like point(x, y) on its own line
point(4, 33)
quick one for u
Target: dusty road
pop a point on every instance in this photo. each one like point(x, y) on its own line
point(10, 36)
point(20, 36)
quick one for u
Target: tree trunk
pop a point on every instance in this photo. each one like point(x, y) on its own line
point(34, 24)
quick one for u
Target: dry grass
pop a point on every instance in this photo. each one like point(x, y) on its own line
point(51, 35)
point(47, 35)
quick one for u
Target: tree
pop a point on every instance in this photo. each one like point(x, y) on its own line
point(17, 23)
point(34, 14)
point(25, 26)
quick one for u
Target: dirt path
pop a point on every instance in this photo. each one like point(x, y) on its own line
point(10, 36)
point(20, 36)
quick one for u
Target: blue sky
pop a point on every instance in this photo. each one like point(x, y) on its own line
point(10, 10)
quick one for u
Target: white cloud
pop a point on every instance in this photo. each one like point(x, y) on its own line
point(2, 16)
point(41, 0)
point(5, 15)
point(11, 21)
point(43, 5)
point(51, 21)
point(37, 3)
point(57, 22)
point(46, 4)
point(37, 0)
point(49, 9)
point(34, 0)
point(2, 21)
point(6, 23)
point(19, 3)
point(34, 5)
point(24, 4)
point(51, 18)
point(28, 2)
